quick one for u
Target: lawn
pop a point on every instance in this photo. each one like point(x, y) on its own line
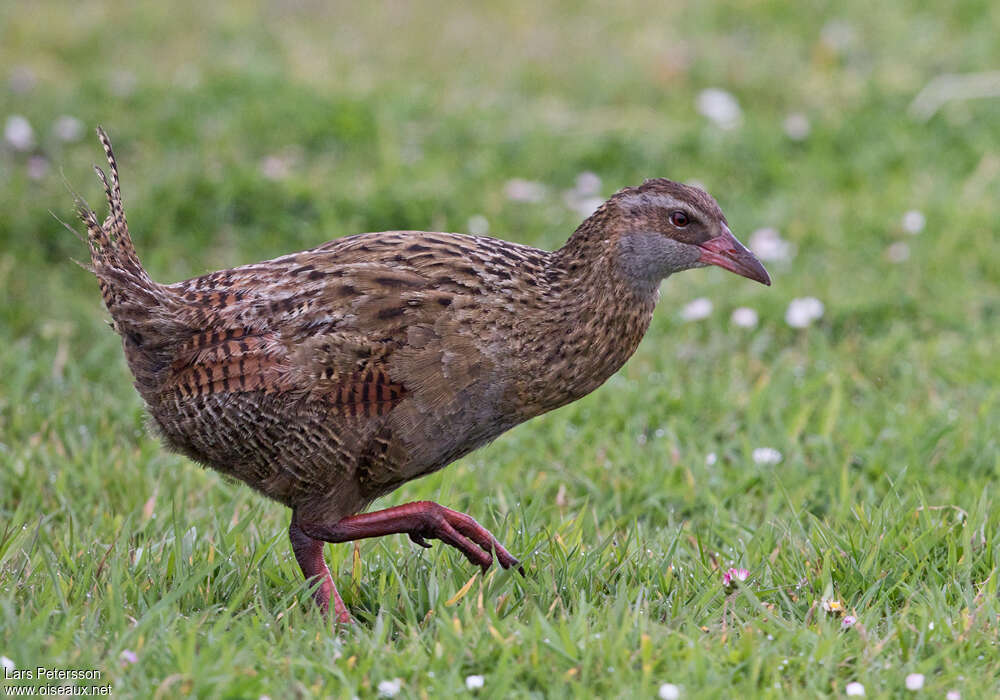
point(852, 461)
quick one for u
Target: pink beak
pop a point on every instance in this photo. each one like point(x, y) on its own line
point(728, 253)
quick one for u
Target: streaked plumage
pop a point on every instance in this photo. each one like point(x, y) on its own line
point(327, 378)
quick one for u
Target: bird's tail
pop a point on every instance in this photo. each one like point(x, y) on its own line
point(131, 296)
point(143, 312)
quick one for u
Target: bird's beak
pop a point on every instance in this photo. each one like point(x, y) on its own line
point(728, 253)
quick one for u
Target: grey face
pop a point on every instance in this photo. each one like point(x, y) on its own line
point(664, 225)
point(647, 257)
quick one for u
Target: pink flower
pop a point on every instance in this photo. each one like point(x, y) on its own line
point(732, 576)
point(848, 621)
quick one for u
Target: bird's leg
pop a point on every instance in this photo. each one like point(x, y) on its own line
point(309, 553)
point(420, 520)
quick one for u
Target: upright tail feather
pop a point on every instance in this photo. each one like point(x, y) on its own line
point(143, 313)
point(110, 242)
point(129, 293)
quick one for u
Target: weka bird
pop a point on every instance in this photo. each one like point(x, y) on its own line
point(327, 378)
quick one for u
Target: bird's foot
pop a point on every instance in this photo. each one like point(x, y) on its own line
point(421, 520)
point(463, 533)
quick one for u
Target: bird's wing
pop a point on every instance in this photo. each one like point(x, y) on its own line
point(357, 336)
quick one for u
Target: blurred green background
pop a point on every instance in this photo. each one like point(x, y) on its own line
point(248, 130)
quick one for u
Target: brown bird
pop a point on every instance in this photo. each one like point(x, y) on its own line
point(327, 378)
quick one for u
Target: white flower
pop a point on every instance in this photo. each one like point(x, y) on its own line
point(37, 167)
point(915, 681)
point(766, 455)
point(478, 225)
point(711, 458)
point(187, 77)
point(518, 190)
point(744, 317)
point(276, 167)
point(583, 198)
point(802, 312)
point(720, 107)
point(838, 35)
point(856, 689)
point(897, 252)
point(18, 133)
point(588, 184)
point(669, 691)
point(697, 309)
point(122, 82)
point(833, 606)
point(796, 126)
point(914, 221)
point(584, 207)
point(768, 245)
point(389, 689)
point(953, 695)
point(6, 664)
point(474, 682)
point(67, 128)
point(22, 79)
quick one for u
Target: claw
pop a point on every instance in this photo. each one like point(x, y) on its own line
point(418, 539)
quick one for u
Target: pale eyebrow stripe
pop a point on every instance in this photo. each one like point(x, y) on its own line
point(645, 199)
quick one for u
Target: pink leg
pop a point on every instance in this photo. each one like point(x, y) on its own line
point(309, 553)
point(419, 520)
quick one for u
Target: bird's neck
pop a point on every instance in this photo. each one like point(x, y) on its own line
point(593, 323)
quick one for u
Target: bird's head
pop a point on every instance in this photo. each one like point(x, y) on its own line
point(663, 227)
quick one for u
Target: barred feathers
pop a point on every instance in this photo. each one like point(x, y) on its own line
point(329, 377)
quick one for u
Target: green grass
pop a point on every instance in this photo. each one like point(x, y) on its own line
point(415, 115)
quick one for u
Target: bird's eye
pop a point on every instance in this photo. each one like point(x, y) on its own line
point(679, 219)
